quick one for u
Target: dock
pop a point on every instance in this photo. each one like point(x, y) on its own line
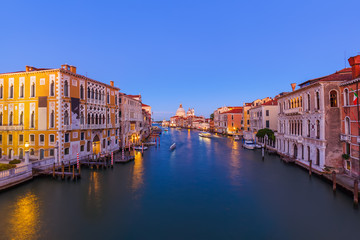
point(125, 160)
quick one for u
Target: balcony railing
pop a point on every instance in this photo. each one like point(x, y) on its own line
point(345, 137)
point(11, 127)
point(293, 111)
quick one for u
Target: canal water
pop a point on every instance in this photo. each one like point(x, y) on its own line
point(205, 189)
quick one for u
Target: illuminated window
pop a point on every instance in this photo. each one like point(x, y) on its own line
point(21, 118)
point(333, 98)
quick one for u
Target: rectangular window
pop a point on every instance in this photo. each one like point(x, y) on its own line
point(267, 113)
point(132, 126)
point(82, 148)
point(42, 138)
point(52, 138)
point(32, 139)
point(109, 143)
point(267, 123)
point(82, 136)
point(348, 149)
point(52, 152)
point(66, 151)
point(10, 138)
point(67, 137)
point(108, 133)
point(21, 139)
point(0, 139)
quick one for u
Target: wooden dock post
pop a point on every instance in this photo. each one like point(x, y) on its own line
point(356, 192)
point(69, 166)
point(54, 170)
point(73, 176)
point(310, 167)
point(62, 170)
point(334, 180)
point(262, 152)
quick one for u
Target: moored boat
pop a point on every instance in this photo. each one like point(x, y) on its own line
point(150, 143)
point(249, 145)
point(139, 148)
point(236, 138)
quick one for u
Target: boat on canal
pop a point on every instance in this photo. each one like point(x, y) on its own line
point(173, 146)
point(249, 145)
point(150, 143)
point(236, 138)
point(205, 135)
point(140, 148)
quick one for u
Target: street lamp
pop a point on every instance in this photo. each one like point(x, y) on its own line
point(27, 157)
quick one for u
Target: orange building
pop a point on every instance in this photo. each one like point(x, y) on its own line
point(234, 120)
point(56, 113)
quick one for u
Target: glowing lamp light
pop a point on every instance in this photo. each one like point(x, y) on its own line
point(26, 144)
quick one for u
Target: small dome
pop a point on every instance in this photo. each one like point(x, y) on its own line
point(180, 112)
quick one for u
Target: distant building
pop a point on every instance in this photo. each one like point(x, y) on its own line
point(186, 120)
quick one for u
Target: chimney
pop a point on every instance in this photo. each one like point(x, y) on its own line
point(73, 69)
point(65, 67)
point(112, 83)
point(355, 66)
point(28, 68)
point(293, 86)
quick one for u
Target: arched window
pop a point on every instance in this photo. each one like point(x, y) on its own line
point(92, 119)
point(32, 119)
point(317, 157)
point(11, 91)
point(66, 89)
point(11, 117)
point(52, 88)
point(301, 127)
point(81, 92)
point(346, 97)
point(21, 153)
point(21, 118)
point(317, 129)
point(347, 126)
point(308, 128)
point(96, 119)
point(333, 98)
point(308, 153)
point(301, 101)
point(96, 94)
point(103, 119)
point(21, 93)
point(52, 119)
point(88, 119)
point(32, 90)
point(88, 146)
point(317, 100)
point(82, 118)
point(92, 93)
point(108, 98)
point(89, 93)
point(100, 95)
point(108, 120)
point(66, 118)
point(1, 118)
point(1, 91)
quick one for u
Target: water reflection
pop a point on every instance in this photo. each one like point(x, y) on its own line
point(25, 219)
point(94, 192)
point(138, 172)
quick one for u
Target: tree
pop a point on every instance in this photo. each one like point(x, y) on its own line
point(265, 131)
point(212, 116)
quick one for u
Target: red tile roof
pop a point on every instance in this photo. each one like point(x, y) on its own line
point(271, 102)
point(236, 110)
point(343, 74)
point(144, 105)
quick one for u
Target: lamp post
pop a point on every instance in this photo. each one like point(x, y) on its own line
point(27, 157)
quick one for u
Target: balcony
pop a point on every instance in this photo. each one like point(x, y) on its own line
point(345, 138)
point(67, 127)
point(293, 111)
point(11, 127)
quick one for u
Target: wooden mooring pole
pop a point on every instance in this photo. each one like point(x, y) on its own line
point(62, 170)
point(334, 180)
point(54, 170)
point(356, 192)
point(73, 176)
point(310, 167)
point(262, 153)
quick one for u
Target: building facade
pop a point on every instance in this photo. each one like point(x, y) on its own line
point(350, 124)
point(309, 122)
point(56, 111)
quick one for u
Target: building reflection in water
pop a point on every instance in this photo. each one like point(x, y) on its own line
point(94, 193)
point(25, 219)
point(235, 164)
point(138, 172)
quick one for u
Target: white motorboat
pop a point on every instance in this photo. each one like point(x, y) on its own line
point(258, 145)
point(249, 145)
point(150, 143)
point(236, 138)
point(173, 146)
point(139, 148)
point(205, 135)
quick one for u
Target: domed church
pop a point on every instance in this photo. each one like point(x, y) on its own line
point(180, 112)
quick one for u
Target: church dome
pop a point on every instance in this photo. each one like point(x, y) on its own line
point(180, 112)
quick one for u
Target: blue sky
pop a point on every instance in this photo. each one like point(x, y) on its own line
point(203, 54)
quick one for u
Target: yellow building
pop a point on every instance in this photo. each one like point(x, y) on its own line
point(57, 112)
